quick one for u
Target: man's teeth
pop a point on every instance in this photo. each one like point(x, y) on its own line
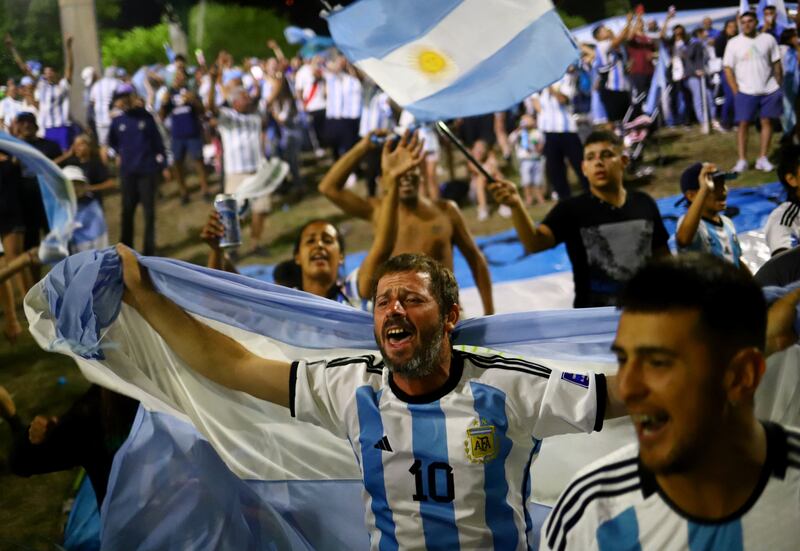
point(648, 421)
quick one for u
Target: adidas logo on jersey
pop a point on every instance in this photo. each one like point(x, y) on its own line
point(383, 444)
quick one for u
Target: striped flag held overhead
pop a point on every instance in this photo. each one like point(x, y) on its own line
point(427, 56)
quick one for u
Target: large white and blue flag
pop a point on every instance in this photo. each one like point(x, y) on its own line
point(427, 56)
point(208, 467)
point(58, 196)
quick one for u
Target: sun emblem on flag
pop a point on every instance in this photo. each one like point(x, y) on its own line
point(481, 444)
point(432, 63)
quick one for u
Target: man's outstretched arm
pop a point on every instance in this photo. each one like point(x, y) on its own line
point(332, 184)
point(210, 353)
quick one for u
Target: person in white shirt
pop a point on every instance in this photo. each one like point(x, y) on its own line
point(241, 129)
point(753, 70)
point(555, 118)
point(309, 85)
point(52, 95)
point(100, 99)
point(342, 108)
point(782, 230)
point(705, 474)
point(615, 91)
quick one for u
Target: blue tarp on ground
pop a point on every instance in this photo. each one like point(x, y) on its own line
point(508, 262)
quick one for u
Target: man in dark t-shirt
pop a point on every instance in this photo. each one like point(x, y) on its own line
point(184, 111)
point(609, 232)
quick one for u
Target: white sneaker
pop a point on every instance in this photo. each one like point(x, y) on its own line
point(504, 211)
point(483, 214)
point(740, 166)
point(763, 164)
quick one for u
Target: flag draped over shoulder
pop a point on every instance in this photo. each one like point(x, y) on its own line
point(442, 59)
point(208, 467)
point(58, 196)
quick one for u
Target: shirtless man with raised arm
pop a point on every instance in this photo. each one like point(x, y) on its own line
point(428, 227)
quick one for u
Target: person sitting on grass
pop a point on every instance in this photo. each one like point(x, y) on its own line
point(704, 228)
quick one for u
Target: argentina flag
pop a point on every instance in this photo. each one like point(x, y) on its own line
point(427, 55)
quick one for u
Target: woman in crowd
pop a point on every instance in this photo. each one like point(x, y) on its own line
point(318, 257)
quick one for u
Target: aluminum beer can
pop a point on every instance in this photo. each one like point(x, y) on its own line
point(228, 210)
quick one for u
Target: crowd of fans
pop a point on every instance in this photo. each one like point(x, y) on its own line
point(226, 118)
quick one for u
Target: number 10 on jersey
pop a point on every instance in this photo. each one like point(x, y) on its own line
point(430, 481)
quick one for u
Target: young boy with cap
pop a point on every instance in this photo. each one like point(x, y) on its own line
point(704, 228)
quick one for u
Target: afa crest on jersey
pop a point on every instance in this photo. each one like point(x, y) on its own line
point(481, 445)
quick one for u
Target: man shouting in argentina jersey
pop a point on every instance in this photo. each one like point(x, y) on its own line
point(444, 438)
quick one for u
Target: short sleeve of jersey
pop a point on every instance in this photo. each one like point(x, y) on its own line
point(225, 117)
point(774, 50)
point(321, 391)
point(559, 220)
point(572, 402)
point(779, 229)
point(729, 55)
point(548, 400)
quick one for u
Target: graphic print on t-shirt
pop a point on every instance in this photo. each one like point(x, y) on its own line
point(615, 251)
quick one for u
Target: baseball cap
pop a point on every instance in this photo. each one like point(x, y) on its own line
point(689, 181)
point(122, 90)
point(26, 81)
point(74, 173)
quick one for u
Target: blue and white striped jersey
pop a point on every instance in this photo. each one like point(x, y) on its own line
point(448, 470)
point(553, 115)
point(343, 100)
point(717, 239)
point(782, 229)
point(100, 95)
point(616, 503)
point(241, 140)
point(53, 103)
point(376, 115)
point(612, 63)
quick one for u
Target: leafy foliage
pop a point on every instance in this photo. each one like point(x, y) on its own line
point(137, 47)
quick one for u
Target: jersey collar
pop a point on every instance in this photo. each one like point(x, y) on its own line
point(775, 465)
point(456, 370)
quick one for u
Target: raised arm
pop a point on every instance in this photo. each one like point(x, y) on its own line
point(394, 163)
point(685, 233)
point(474, 257)
point(210, 353)
point(69, 65)
point(332, 184)
point(211, 105)
point(15, 54)
point(622, 35)
point(533, 238)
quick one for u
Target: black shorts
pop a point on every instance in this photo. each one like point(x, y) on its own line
point(616, 103)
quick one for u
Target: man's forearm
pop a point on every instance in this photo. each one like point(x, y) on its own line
point(335, 178)
point(483, 281)
point(212, 354)
point(385, 237)
point(528, 235)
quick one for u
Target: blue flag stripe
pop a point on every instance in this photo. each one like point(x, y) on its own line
point(621, 532)
point(429, 442)
point(374, 28)
point(500, 80)
point(490, 405)
point(370, 431)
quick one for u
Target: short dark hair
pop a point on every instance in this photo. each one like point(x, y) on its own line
point(732, 308)
point(596, 30)
point(297, 240)
point(443, 284)
point(603, 136)
point(180, 57)
point(749, 13)
point(788, 162)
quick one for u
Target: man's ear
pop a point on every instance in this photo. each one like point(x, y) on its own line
point(743, 375)
point(625, 159)
point(451, 318)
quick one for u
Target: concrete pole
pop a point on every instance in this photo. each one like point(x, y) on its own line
point(78, 19)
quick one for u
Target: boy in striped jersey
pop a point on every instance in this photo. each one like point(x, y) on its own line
point(783, 225)
point(705, 473)
point(52, 95)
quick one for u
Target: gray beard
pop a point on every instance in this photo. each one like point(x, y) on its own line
point(422, 364)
